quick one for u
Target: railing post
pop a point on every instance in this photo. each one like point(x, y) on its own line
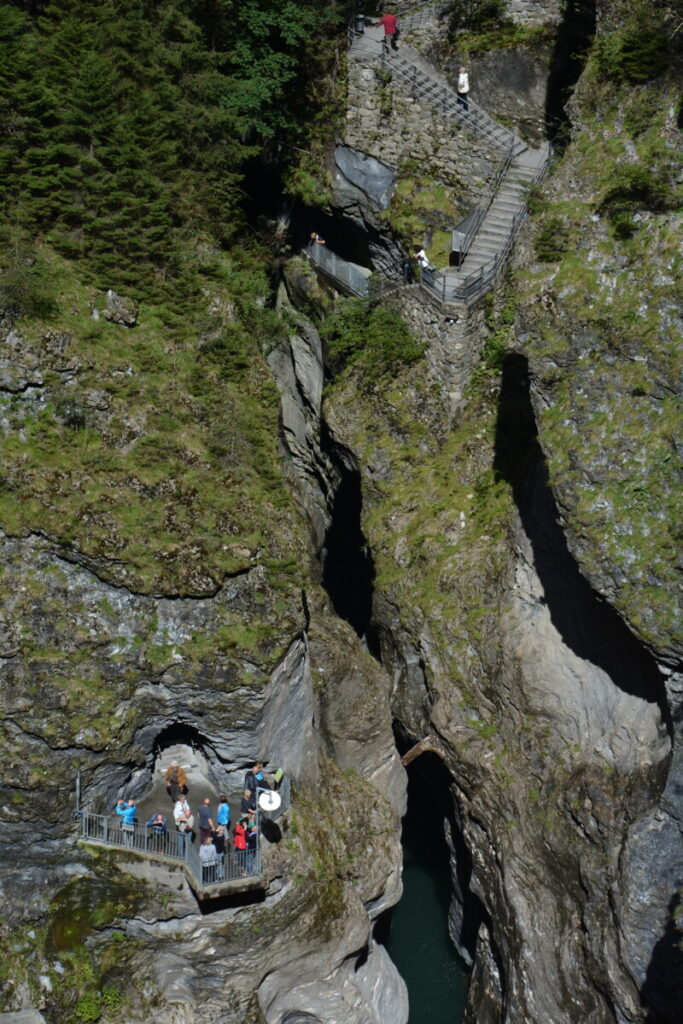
point(106, 829)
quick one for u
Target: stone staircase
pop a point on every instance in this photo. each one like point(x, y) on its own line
point(520, 168)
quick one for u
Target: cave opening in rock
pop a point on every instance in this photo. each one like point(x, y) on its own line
point(184, 744)
point(587, 624)
point(347, 239)
point(347, 568)
point(572, 41)
point(431, 933)
point(178, 734)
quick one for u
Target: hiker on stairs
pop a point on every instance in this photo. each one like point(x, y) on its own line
point(390, 23)
point(463, 89)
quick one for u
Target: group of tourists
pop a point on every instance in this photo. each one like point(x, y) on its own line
point(213, 830)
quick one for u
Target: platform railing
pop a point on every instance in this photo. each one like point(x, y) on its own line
point(344, 273)
point(174, 846)
point(177, 847)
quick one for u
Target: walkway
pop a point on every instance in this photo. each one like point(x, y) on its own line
point(236, 871)
point(486, 245)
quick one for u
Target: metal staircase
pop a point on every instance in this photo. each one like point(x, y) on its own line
point(489, 242)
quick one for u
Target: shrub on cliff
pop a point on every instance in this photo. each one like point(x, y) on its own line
point(640, 49)
point(371, 336)
point(635, 187)
point(552, 240)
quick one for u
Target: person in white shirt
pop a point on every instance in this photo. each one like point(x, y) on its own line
point(463, 89)
point(426, 268)
point(182, 815)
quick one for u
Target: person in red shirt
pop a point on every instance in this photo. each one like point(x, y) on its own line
point(390, 23)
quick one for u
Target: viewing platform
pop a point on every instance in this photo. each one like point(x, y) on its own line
point(171, 850)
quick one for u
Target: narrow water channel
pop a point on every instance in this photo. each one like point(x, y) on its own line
point(418, 941)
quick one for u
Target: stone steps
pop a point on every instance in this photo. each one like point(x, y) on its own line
point(495, 232)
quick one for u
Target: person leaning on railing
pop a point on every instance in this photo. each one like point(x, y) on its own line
point(157, 823)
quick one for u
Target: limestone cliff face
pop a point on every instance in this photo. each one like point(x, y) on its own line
point(602, 335)
point(530, 630)
point(115, 633)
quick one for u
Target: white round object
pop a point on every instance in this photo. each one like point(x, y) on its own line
point(269, 801)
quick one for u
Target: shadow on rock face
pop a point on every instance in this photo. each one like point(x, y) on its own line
point(663, 988)
point(588, 625)
point(295, 1017)
point(271, 831)
point(574, 35)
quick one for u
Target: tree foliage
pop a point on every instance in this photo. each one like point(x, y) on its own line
point(371, 336)
point(128, 123)
point(475, 15)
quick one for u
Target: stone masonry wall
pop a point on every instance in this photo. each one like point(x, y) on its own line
point(453, 341)
point(534, 12)
point(527, 12)
point(387, 122)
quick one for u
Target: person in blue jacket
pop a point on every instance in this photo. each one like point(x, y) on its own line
point(127, 811)
point(157, 823)
point(223, 812)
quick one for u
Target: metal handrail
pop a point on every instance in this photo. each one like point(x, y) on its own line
point(423, 82)
point(346, 274)
point(470, 287)
point(475, 117)
point(172, 846)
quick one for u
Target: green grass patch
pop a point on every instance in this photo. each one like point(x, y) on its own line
point(166, 477)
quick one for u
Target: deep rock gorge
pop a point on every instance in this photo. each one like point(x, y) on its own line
point(465, 562)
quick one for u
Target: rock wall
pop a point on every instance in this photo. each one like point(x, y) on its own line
point(453, 342)
point(519, 621)
point(399, 129)
point(528, 12)
point(96, 671)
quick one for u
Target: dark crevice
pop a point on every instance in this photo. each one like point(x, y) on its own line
point(574, 36)
point(179, 733)
point(230, 901)
point(430, 804)
point(349, 240)
point(663, 988)
point(362, 958)
point(347, 568)
point(588, 625)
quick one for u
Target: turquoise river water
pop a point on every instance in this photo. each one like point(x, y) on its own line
point(418, 940)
